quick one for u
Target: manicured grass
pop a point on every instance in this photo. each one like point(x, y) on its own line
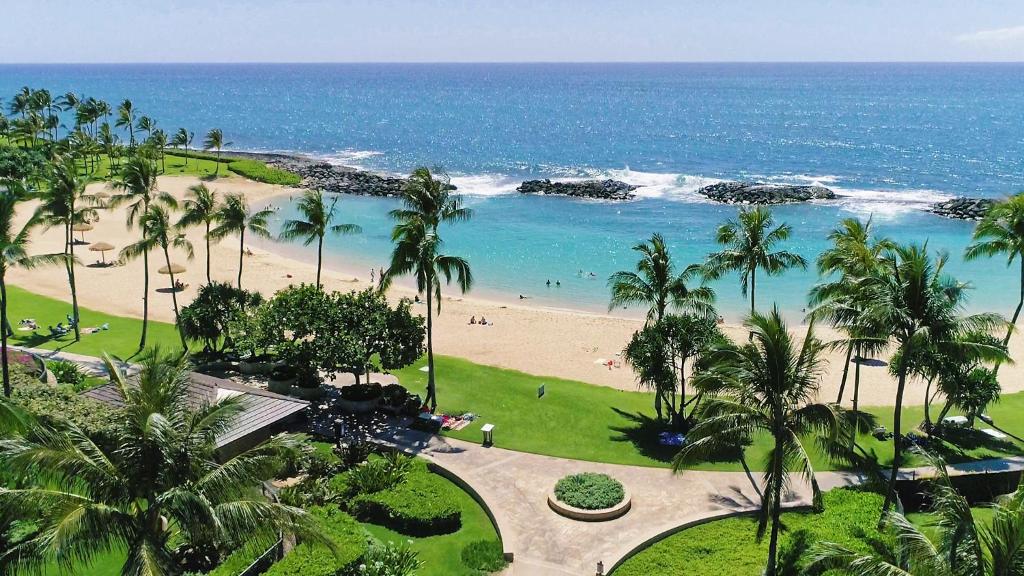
point(729, 546)
point(441, 555)
point(601, 424)
point(122, 339)
point(170, 165)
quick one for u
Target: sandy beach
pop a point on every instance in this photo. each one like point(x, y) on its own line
point(541, 341)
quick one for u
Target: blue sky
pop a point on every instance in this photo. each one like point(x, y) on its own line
point(518, 31)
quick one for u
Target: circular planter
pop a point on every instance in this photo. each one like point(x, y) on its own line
point(306, 393)
point(582, 515)
point(286, 386)
point(254, 368)
point(358, 406)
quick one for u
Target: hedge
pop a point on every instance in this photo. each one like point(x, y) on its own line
point(422, 505)
point(260, 172)
point(589, 491)
point(311, 559)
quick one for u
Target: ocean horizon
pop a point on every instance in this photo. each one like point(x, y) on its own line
point(890, 139)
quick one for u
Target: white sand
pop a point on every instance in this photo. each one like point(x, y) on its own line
point(557, 343)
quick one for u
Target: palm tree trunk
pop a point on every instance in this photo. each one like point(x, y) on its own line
point(319, 259)
point(431, 386)
point(145, 298)
point(776, 511)
point(71, 281)
point(753, 291)
point(890, 492)
point(174, 298)
point(856, 395)
point(928, 406)
point(3, 336)
point(241, 255)
point(208, 280)
point(846, 371)
point(1016, 314)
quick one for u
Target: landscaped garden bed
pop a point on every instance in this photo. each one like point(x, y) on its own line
point(590, 497)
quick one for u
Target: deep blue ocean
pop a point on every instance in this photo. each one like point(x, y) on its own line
point(890, 138)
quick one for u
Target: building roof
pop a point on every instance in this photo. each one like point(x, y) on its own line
point(260, 408)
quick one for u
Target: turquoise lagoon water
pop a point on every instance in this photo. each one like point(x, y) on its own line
point(890, 138)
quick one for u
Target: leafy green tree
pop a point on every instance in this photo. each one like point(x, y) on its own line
point(921, 310)
point(137, 191)
point(765, 386)
point(200, 207)
point(209, 317)
point(14, 243)
point(656, 284)
point(235, 217)
point(377, 335)
point(215, 141)
point(162, 483)
point(748, 246)
point(158, 232)
point(1001, 232)
point(318, 220)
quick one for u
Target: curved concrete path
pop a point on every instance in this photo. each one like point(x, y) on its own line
point(514, 486)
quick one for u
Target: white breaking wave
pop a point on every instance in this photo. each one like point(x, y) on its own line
point(485, 184)
point(349, 157)
point(886, 203)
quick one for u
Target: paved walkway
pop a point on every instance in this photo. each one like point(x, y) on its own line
point(91, 365)
point(514, 486)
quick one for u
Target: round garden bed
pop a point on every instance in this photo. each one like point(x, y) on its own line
point(590, 497)
point(360, 398)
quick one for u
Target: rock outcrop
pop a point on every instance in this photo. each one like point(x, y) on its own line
point(751, 193)
point(332, 178)
point(962, 208)
point(595, 189)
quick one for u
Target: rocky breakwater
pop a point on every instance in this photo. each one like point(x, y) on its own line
point(343, 179)
point(595, 189)
point(962, 208)
point(750, 193)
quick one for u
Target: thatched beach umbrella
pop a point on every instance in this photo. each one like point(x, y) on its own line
point(173, 269)
point(83, 228)
point(102, 248)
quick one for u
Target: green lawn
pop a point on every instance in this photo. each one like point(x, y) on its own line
point(122, 339)
point(170, 165)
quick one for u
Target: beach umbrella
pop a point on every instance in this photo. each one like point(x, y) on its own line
point(83, 228)
point(102, 248)
point(174, 269)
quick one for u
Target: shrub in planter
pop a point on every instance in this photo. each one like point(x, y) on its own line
point(486, 556)
point(282, 378)
point(311, 559)
point(423, 505)
point(590, 491)
point(362, 392)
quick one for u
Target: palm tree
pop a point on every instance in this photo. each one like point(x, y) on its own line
point(126, 119)
point(60, 207)
point(921, 310)
point(417, 252)
point(137, 183)
point(147, 125)
point(14, 244)
point(160, 483)
point(157, 232)
point(183, 138)
point(158, 139)
point(318, 217)
point(235, 217)
point(1001, 232)
point(215, 141)
point(656, 284)
point(963, 544)
point(748, 243)
point(427, 202)
point(200, 208)
point(765, 386)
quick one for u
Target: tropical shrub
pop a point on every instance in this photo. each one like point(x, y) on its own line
point(388, 560)
point(50, 404)
point(484, 555)
point(422, 505)
point(589, 491)
point(362, 392)
point(378, 474)
point(209, 317)
point(313, 559)
point(68, 373)
point(240, 559)
point(260, 172)
point(310, 492)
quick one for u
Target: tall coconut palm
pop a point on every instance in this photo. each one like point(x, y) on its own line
point(126, 119)
point(14, 243)
point(65, 204)
point(748, 245)
point(765, 386)
point(158, 232)
point(417, 253)
point(962, 544)
point(183, 138)
point(427, 202)
point(200, 208)
point(158, 140)
point(215, 141)
point(318, 218)
point(921, 309)
point(147, 125)
point(657, 285)
point(235, 217)
point(160, 483)
point(1001, 232)
point(137, 186)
